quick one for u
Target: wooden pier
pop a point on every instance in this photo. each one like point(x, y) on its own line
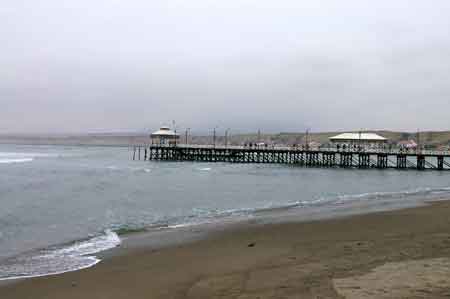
point(327, 158)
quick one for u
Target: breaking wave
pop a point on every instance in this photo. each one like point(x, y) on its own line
point(81, 255)
point(11, 161)
point(58, 260)
point(204, 216)
point(16, 157)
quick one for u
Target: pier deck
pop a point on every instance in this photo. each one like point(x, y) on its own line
point(328, 157)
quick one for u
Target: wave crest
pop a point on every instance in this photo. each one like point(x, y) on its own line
point(77, 256)
point(12, 161)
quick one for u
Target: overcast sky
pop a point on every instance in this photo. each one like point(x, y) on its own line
point(278, 65)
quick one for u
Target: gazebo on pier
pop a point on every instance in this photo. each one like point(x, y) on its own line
point(164, 136)
point(366, 139)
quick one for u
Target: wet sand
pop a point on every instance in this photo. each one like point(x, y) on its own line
point(396, 254)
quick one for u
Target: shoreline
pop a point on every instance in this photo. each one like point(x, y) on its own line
point(220, 262)
point(159, 237)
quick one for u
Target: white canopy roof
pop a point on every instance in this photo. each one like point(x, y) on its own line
point(358, 137)
point(165, 132)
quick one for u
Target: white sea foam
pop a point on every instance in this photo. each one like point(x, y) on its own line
point(425, 191)
point(421, 193)
point(140, 169)
point(134, 169)
point(27, 155)
point(182, 225)
point(205, 169)
point(18, 157)
point(12, 161)
point(77, 256)
point(205, 216)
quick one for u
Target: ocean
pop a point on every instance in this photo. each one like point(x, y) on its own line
point(62, 205)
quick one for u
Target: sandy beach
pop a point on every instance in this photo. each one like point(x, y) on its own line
point(395, 254)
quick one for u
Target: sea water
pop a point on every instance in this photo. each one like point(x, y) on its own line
point(61, 205)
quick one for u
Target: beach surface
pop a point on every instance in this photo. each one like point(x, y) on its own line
point(395, 254)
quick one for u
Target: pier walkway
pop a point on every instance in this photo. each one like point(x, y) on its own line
point(324, 157)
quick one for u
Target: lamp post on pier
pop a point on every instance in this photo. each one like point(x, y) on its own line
point(226, 137)
point(418, 147)
point(186, 136)
point(359, 141)
point(175, 130)
point(307, 139)
point(214, 137)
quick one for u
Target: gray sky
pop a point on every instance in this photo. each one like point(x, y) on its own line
point(89, 65)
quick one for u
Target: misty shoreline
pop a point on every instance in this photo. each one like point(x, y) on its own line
point(430, 138)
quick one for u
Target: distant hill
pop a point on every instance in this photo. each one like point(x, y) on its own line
point(431, 139)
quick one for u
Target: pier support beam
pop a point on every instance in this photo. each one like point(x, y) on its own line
point(382, 161)
point(401, 162)
point(363, 160)
point(316, 158)
point(440, 162)
point(420, 162)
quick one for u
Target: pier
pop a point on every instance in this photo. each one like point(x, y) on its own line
point(298, 156)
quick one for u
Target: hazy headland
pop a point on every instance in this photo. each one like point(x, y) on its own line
point(430, 139)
